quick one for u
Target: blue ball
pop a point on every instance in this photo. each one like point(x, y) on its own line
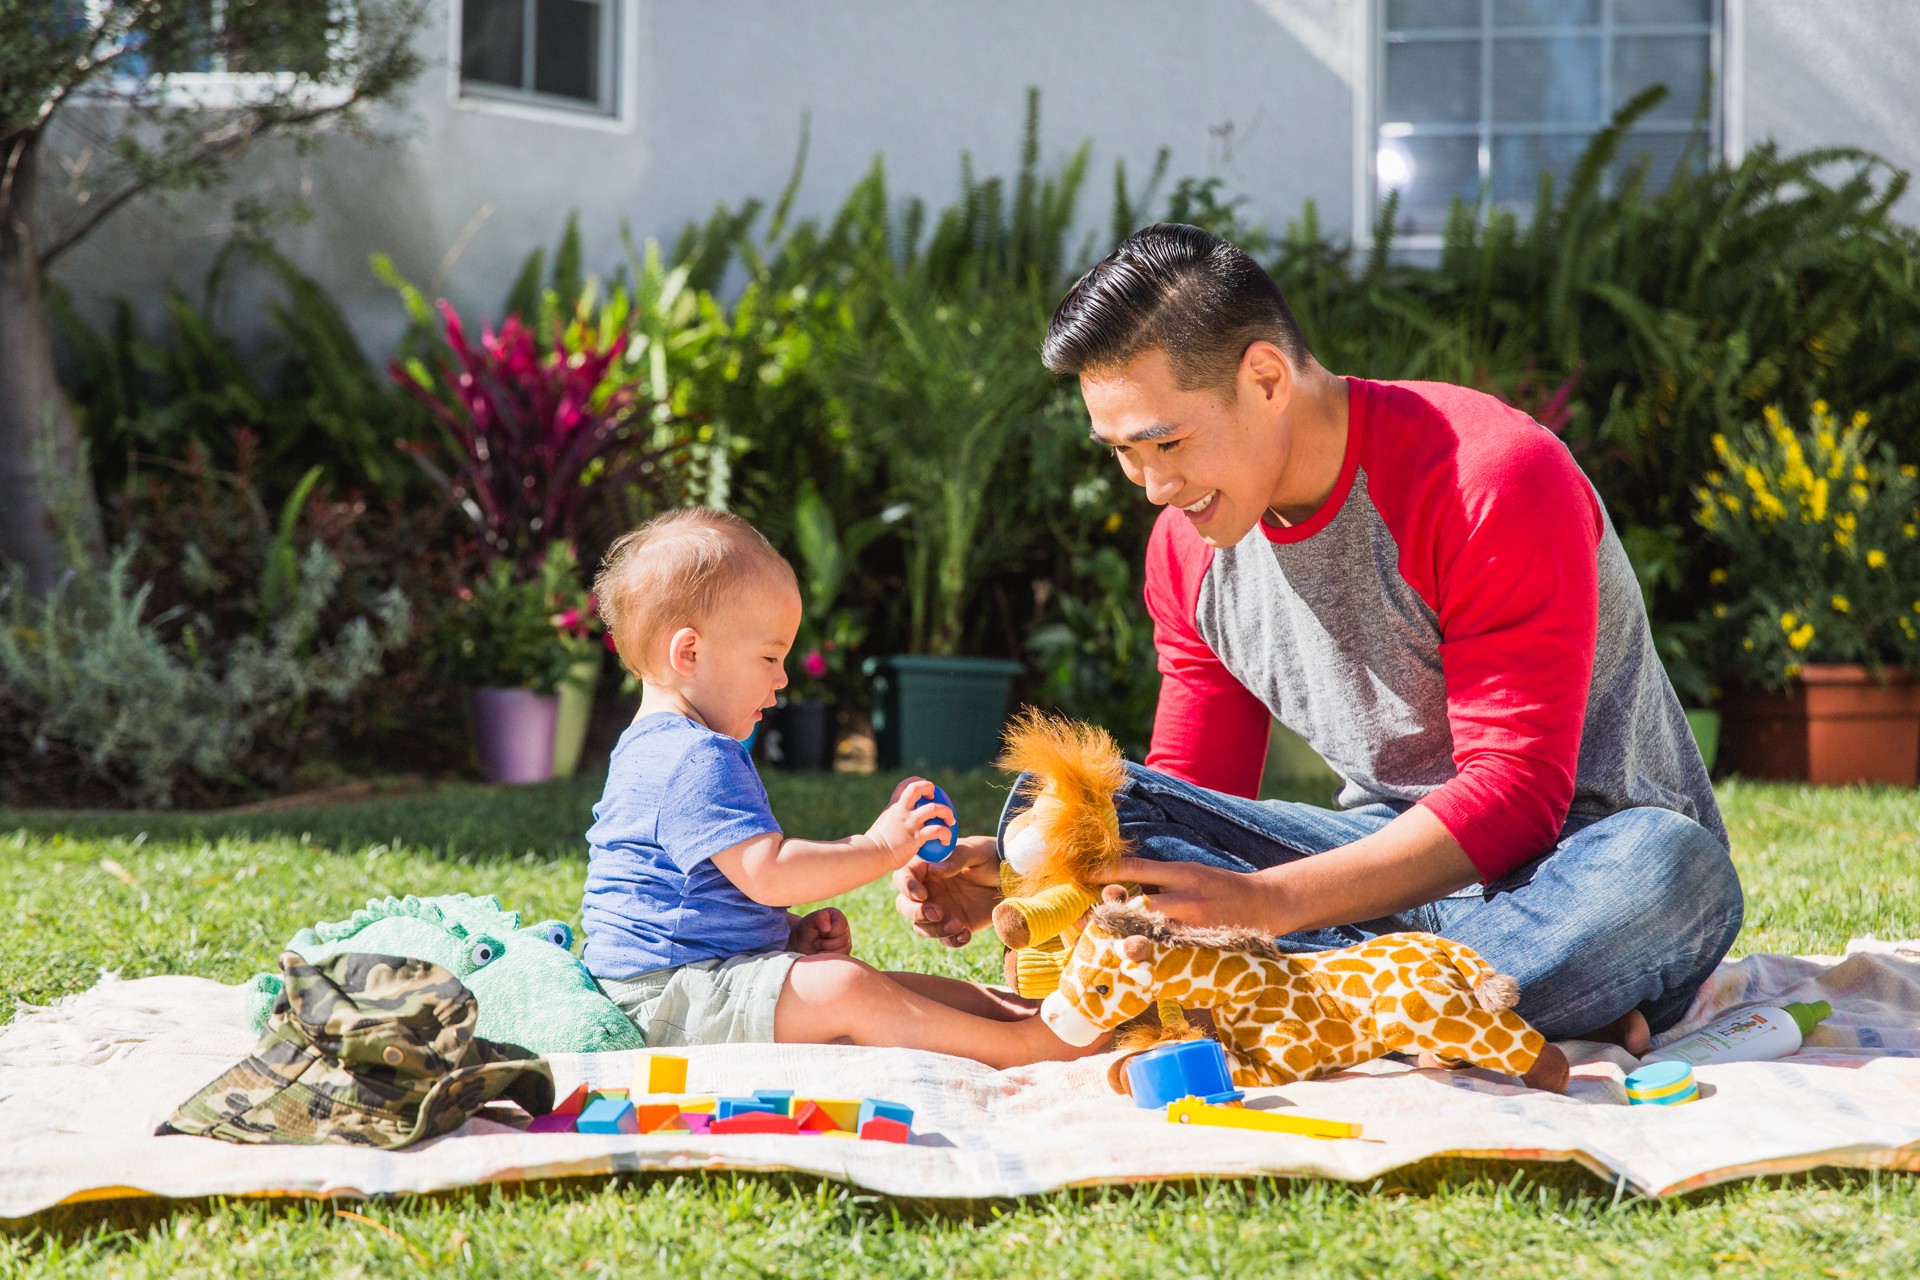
point(935, 850)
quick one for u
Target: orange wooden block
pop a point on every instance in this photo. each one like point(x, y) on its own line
point(813, 1118)
point(656, 1116)
point(756, 1122)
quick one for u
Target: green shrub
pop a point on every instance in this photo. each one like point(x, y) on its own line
point(157, 703)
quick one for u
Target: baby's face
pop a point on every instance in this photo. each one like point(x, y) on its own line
point(742, 658)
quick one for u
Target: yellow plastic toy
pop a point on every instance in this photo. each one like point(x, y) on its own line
point(1194, 1111)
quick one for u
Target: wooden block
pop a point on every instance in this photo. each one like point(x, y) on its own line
point(755, 1122)
point(574, 1103)
point(552, 1122)
point(660, 1073)
point(655, 1116)
point(707, 1103)
point(695, 1121)
point(880, 1109)
point(884, 1130)
point(618, 1095)
point(609, 1115)
point(782, 1099)
point(845, 1111)
point(813, 1118)
point(730, 1107)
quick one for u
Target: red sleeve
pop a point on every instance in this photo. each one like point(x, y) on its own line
point(1510, 564)
point(1208, 729)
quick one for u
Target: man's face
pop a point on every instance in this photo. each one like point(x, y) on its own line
point(1219, 459)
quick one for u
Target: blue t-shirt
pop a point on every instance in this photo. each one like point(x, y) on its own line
point(677, 794)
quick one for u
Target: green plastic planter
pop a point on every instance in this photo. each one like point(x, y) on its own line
point(1706, 733)
point(939, 713)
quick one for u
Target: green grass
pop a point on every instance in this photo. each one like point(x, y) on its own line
point(217, 894)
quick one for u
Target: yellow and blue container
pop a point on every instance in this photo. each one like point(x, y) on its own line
point(1662, 1084)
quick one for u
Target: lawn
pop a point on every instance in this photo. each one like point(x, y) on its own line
point(216, 895)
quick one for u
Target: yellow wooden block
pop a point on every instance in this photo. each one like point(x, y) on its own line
point(707, 1103)
point(1194, 1111)
point(660, 1073)
point(845, 1111)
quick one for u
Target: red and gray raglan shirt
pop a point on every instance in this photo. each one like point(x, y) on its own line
point(1457, 627)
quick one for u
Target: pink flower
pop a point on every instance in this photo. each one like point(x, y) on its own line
point(567, 621)
point(611, 646)
point(814, 664)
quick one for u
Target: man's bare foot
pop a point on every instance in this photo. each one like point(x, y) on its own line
point(1629, 1031)
point(1549, 1071)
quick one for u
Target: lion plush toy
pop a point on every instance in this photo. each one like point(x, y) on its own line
point(1053, 850)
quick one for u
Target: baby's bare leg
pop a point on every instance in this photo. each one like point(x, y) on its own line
point(830, 997)
point(969, 997)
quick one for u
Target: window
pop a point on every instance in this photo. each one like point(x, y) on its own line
point(1476, 98)
point(202, 45)
point(550, 52)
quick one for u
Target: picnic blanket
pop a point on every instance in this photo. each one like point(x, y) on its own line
point(84, 1082)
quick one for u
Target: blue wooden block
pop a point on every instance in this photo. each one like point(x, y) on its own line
point(726, 1107)
point(782, 1099)
point(875, 1108)
point(609, 1115)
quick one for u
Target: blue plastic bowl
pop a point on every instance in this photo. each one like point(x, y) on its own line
point(1189, 1069)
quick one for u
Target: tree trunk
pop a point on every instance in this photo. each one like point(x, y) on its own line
point(42, 480)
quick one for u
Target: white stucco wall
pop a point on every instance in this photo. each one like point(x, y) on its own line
point(718, 90)
point(1840, 74)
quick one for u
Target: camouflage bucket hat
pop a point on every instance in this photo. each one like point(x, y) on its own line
point(377, 1051)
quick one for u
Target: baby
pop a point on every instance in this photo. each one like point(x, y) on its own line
point(690, 876)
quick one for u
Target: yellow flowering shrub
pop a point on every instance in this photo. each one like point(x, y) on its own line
point(1817, 530)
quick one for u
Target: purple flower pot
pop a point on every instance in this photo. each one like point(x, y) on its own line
point(513, 728)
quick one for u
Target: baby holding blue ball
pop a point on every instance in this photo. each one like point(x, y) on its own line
point(690, 876)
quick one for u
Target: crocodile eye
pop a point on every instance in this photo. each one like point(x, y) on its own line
point(483, 952)
point(1102, 990)
point(558, 934)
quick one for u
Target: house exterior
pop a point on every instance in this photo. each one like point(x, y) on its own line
point(652, 112)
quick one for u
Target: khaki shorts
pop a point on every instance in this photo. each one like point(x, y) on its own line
point(726, 1001)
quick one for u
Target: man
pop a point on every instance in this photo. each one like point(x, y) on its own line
point(1420, 581)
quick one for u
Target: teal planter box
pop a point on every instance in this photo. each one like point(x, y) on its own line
point(1706, 734)
point(939, 713)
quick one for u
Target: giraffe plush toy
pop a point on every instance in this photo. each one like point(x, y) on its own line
point(1292, 1016)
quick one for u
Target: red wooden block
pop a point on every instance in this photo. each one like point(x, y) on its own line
point(574, 1103)
point(879, 1129)
point(756, 1122)
point(813, 1119)
point(656, 1115)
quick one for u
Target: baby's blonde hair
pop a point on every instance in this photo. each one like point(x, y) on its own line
point(672, 571)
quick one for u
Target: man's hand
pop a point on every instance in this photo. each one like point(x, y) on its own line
point(1194, 893)
point(950, 901)
point(822, 932)
point(905, 824)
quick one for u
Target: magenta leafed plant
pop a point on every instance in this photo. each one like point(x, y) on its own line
point(533, 435)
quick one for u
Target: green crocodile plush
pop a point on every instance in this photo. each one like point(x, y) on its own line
point(531, 989)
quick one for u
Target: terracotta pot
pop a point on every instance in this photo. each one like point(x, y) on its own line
point(1836, 724)
point(513, 730)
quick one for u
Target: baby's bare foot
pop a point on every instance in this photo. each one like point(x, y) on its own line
point(1629, 1031)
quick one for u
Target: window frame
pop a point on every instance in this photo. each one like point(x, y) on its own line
point(618, 51)
point(1725, 30)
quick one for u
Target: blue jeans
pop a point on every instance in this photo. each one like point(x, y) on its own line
point(1630, 911)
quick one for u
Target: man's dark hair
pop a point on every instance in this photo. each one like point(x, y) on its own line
point(1178, 288)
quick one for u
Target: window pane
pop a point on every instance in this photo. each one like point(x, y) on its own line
point(1429, 173)
point(1520, 159)
point(1406, 15)
point(177, 37)
point(1553, 81)
point(1661, 152)
point(492, 43)
point(1679, 62)
point(278, 37)
point(1625, 11)
point(566, 48)
point(1435, 82)
point(1546, 13)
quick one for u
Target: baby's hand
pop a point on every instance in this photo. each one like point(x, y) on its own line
point(822, 932)
point(901, 828)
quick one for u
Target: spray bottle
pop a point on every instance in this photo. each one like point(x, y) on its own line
point(1749, 1035)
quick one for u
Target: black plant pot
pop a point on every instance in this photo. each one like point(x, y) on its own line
point(798, 736)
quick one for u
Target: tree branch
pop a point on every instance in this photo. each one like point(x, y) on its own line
point(216, 146)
